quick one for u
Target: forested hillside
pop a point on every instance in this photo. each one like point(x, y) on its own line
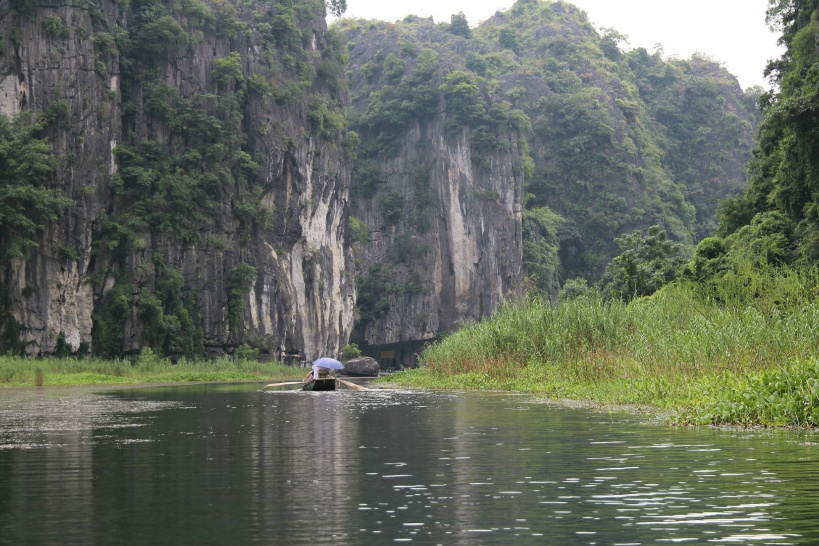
point(598, 142)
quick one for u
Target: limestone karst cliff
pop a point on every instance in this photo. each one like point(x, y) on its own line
point(441, 211)
point(204, 151)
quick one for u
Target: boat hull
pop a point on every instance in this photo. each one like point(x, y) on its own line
point(320, 385)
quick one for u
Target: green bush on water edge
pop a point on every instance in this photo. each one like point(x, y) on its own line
point(701, 360)
point(147, 367)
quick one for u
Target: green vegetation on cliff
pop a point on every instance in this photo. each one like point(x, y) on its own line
point(778, 216)
point(28, 202)
point(188, 171)
point(609, 141)
point(622, 141)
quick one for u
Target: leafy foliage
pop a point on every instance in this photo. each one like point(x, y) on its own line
point(27, 204)
point(459, 26)
point(584, 176)
point(373, 290)
point(109, 321)
point(325, 120)
point(165, 196)
point(391, 207)
point(350, 351)
point(336, 7)
point(465, 105)
point(573, 289)
point(160, 38)
point(508, 39)
point(238, 285)
point(10, 329)
point(228, 70)
point(24, 7)
point(54, 26)
point(411, 94)
point(786, 396)
point(359, 230)
point(707, 128)
point(775, 221)
point(540, 246)
point(647, 263)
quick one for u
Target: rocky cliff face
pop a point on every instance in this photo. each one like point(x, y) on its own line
point(204, 149)
point(50, 288)
point(442, 213)
point(459, 267)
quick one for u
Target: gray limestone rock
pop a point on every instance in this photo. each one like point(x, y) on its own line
point(362, 366)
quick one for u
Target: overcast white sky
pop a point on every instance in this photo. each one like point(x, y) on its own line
point(732, 32)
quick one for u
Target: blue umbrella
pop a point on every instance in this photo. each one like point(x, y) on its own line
point(329, 363)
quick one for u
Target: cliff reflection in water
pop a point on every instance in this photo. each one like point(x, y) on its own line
point(216, 464)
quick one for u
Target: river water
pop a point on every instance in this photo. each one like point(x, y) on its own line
point(230, 464)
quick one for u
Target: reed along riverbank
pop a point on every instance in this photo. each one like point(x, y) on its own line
point(702, 359)
point(145, 368)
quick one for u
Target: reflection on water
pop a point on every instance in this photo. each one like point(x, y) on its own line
point(218, 464)
point(32, 418)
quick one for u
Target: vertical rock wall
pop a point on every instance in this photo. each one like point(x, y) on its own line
point(49, 289)
point(471, 257)
point(301, 300)
point(454, 249)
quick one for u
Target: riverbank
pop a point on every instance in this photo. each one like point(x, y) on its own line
point(675, 353)
point(782, 397)
point(746, 353)
point(146, 368)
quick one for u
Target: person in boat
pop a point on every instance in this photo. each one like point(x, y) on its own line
point(313, 374)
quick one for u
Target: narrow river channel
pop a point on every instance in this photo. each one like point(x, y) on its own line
point(229, 464)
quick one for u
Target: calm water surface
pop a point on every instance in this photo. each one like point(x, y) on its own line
point(228, 464)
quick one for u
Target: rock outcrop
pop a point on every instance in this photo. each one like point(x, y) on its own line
point(533, 101)
point(363, 366)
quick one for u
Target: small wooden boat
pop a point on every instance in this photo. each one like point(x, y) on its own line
point(320, 384)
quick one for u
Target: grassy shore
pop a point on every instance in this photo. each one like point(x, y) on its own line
point(146, 368)
point(748, 361)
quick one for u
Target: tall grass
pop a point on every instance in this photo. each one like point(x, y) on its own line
point(588, 339)
point(146, 368)
point(684, 348)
